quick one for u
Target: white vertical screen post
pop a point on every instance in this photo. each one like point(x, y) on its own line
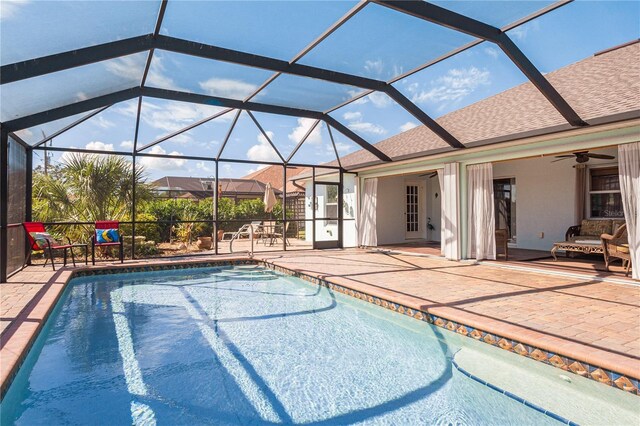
point(451, 202)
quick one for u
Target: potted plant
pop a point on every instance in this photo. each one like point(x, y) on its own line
point(204, 243)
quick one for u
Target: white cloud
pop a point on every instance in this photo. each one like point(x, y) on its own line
point(228, 88)
point(156, 76)
point(374, 67)
point(127, 67)
point(126, 144)
point(352, 115)
point(356, 123)
point(365, 127)
point(457, 84)
point(93, 145)
point(263, 151)
point(408, 126)
point(491, 51)
point(102, 122)
point(172, 116)
point(304, 124)
point(201, 165)
point(99, 146)
point(520, 33)
point(165, 164)
point(379, 99)
point(262, 139)
point(9, 8)
point(227, 168)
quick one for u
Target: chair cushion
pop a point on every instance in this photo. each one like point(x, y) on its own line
point(623, 248)
point(107, 236)
point(41, 239)
point(585, 239)
point(595, 228)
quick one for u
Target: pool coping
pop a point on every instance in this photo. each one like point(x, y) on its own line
point(29, 322)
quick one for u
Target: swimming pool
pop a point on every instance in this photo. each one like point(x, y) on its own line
point(242, 345)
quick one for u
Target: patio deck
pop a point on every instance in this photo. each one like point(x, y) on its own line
point(592, 317)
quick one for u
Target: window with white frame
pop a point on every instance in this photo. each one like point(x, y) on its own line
point(605, 200)
point(331, 206)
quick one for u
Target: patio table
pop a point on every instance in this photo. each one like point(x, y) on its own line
point(588, 247)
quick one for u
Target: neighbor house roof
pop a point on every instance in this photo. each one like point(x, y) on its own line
point(274, 176)
point(199, 186)
point(606, 85)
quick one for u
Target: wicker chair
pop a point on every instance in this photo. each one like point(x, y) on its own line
point(616, 246)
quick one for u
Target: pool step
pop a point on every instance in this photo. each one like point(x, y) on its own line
point(566, 395)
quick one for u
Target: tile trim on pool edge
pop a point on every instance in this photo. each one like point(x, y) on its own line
point(593, 372)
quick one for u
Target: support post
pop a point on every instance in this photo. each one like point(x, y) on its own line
point(28, 213)
point(4, 201)
point(284, 206)
point(341, 210)
point(313, 207)
point(215, 210)
point(133, 206)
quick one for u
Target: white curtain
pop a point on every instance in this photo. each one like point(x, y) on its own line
point(481, 213)
point(441, 182)
point(450, 223)
point(629, 170)
point(367, 234)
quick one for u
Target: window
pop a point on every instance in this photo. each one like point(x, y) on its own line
point(331, 206)
point(605, 200)
point(504, 195)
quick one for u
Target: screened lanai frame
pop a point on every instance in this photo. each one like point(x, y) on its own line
point(478, 31)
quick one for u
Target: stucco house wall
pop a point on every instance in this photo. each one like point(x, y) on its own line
point(545, 197)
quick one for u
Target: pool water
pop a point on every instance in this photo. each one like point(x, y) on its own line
point(241, 345)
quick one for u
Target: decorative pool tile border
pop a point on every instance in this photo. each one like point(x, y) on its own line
point(607, 377)
point(161, 267)
point(593, 372)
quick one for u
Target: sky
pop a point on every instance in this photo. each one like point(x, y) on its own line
point(377, 43)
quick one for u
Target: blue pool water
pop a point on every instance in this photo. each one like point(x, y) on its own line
point(241, 345)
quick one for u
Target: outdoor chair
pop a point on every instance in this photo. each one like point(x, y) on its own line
point(40, 240)
point(245, 231)
point(616, 246)
point(106, 234)
point(281, 233)
point(267, 229)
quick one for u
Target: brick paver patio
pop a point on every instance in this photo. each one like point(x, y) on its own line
point(583, 317)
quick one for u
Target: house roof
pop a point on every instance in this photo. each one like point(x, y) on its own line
point(274, 176)
point(191, 184)
point(604, 85)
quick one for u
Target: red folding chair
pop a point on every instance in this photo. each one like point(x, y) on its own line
point(106, 225)
point(40, 240)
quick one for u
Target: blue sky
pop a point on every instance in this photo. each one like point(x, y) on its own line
point(377, 43)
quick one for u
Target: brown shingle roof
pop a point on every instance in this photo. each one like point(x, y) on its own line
point(198, 186)
point(600, 86)
point(273, 175)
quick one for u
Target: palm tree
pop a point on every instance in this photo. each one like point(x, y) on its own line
point(87, 188)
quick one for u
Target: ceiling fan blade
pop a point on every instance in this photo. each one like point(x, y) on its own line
point(564, 158)
point(603, 156)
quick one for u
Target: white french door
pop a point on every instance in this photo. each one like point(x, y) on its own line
point(413, 212)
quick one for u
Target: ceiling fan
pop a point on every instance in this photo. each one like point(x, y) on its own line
point(430, 174)
point(583, 156)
